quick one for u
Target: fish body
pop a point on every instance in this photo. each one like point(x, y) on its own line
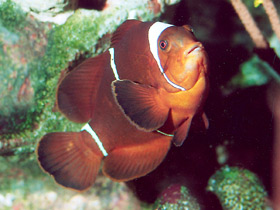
point(136, 98)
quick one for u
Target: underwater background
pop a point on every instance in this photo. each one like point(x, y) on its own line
point(232, 165)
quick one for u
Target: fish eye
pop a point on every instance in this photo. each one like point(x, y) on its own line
point(163, 44)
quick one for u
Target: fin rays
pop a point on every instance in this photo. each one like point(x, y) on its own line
point(77, 91)
point(134, 161)
point(73, 159)
point(140, 104)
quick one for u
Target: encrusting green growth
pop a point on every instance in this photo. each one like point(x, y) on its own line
point(21, 45)
point(32, 55)
point(238, 189)
point(46, 49)
point(253, 72)
point(25, 81)
point(11, 15)
point(176, 197)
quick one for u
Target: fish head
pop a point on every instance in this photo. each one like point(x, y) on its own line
point(183, 59)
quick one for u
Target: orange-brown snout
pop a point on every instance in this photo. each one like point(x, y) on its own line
point(188, 65)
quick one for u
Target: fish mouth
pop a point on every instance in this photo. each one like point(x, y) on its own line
point(192, 63)
point(196, 47)
point(187, 68)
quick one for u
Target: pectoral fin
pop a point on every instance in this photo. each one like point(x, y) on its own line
point(141, 104)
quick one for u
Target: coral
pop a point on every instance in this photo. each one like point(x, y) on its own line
point(176, 197)
point(36, 45)
point(22, 43)
point(274, 104)
point(271, 11)
point(252, 73)
point(26, 185)
point(249, 23)
point(262, 47)
point(267, 54)
point(238, 189)
point(38, 41)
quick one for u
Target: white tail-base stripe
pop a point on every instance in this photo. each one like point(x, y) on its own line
point(95, 137)
point(113, 65)
point(154, 32)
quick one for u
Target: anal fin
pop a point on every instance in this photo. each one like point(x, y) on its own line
point(72, 158)
point(127, 163)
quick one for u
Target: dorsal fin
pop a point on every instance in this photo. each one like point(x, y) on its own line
point(77, 92)
point(121, 30)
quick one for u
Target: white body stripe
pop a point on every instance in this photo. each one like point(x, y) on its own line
point(113, 65)
point(166, 134)
point(154, 32)
point(95, 137)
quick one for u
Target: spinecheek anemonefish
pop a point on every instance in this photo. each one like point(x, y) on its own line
point(135, 98)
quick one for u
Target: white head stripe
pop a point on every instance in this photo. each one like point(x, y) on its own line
point(95, 137)
point(113, 65)
point(154, 32)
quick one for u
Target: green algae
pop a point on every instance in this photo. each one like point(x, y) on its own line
point(238, 189)
point(16, 114)
point(32, 119)
point(56, 46)
point(253, 72)
point(176, 200)
point(24, 183)
point(11, 16)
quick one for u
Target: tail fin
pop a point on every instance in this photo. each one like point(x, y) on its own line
point(72, 158)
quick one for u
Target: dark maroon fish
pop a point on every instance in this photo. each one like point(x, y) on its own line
point(135, 98)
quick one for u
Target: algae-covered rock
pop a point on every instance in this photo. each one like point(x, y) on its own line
point(33, 54)
point(23, 42)
point(254, 72)
point(176, 197)
point(36, 45)
point(27, 189)
point(238, 189)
